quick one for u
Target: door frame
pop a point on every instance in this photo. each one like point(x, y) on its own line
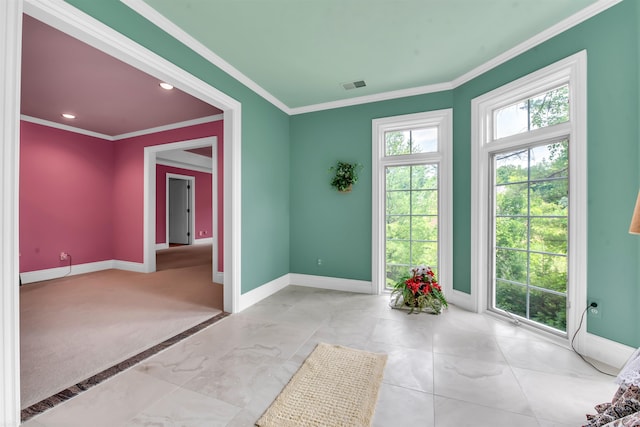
point(191, 190)
point(65, 17)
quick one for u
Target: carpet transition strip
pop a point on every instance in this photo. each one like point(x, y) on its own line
point(56, 399)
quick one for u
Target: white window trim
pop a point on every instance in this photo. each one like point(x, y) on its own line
point(574, 70)
point(443, 119)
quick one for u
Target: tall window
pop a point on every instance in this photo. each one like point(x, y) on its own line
point(529, 197)
point(411, 212)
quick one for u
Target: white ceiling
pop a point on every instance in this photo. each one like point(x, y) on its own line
point(298, 53)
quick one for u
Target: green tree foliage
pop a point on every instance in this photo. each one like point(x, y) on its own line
point(531, 224)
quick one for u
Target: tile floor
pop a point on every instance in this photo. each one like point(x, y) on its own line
point(457, 369)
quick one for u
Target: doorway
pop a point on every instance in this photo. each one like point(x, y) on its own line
point(69, 19)
point(180, 209)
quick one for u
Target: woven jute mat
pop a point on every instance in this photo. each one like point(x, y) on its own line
point(335, 386)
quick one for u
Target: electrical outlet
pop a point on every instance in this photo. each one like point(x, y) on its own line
point(594, 309)
point(320, 261)
point(63, 256)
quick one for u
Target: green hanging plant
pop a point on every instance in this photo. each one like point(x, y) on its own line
point(346, 174)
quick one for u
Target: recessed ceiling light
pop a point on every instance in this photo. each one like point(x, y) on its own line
point(68, 116)
point(166, 86)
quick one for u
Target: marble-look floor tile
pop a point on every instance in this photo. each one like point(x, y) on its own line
point(481, 346)
point(545, 356)
point(398, 406)
point(484, 383)
point(404, 333)
point(562, 398)
point(110, 404)
point(235, 378)
point(185, 408)
point(457, 413)
point(409, 368)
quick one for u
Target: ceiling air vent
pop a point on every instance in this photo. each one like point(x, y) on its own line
point(354, 85)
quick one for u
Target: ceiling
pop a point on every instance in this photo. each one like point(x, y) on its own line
point(302, 51)
point(61, 74)
point(297, 53)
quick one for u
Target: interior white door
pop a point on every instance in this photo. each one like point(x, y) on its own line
point(179, 215)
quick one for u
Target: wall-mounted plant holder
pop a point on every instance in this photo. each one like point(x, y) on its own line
point(345, 175)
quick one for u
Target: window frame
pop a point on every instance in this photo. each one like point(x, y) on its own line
point(570, 70)
point(443, 120)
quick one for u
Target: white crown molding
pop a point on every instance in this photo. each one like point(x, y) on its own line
point(67, 128)
point(383, 96)
point(536, 40)
point(179, 34)
point(172, 126)
point(157, 129)
point(158, 19)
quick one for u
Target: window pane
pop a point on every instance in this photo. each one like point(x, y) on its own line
point(398, 227)
point(550, 161)
point(549, 235)
point(549, 108)
point(511, 265)
point(548, 309)
point(398, 202)
point(512, 167)
point(424, 140)
point(511, 120)
point(549, 272)
point(550, 198)
point(511, 232)
point(424, 253)
point(398, 177)
point(511, 298)
point(512, 199)
point(531, 232)
point(412, 216)
point(424, 202)
point(542, 110)
point(424, 228)
point(397, 143)
point(411, 141)
point(424, 177)
point(399, 252)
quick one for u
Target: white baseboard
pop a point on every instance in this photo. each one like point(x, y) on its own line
point(218, 277)
point(161, 246)
point(89, 267)
point(258, 294)
point(333, 283)
point(205, 241)
point(138, 267)
point(58, 272)
point(462, 300)
point(606, 351)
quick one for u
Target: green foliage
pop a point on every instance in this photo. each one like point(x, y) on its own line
point(346, 174)
point(531, 232)
point(411, 218)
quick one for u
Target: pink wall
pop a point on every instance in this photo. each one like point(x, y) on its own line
point(66, 182)
point(203, 218)
point(128, 186)
point(84, 195)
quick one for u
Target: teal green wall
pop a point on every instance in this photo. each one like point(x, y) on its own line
point(337, 228)
point(325, 224)
point(611, 41)
point(265, 145)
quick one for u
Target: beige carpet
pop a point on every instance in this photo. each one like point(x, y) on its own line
point(76, 327)
point(336, 386)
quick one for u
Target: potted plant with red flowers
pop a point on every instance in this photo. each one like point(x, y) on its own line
point(419, 292)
